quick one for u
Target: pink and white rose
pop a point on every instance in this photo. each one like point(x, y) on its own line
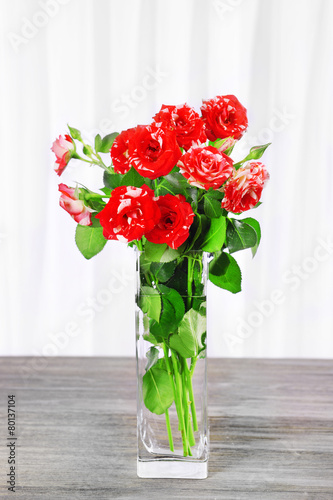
point(75, 207)
point(243, 190)
point(63, 148)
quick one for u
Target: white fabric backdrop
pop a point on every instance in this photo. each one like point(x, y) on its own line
point(105, 65)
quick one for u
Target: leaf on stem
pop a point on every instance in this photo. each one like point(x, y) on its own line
point(150, 302)
point(215, 236)
point(240, 235)
point(224, 272)
point(256, 226)
point(152, 357)
point(104, 145)
point(157, 390)
point(89, 240)
point(75, 133)
point(189, 340)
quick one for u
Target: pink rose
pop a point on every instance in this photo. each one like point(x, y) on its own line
point(206, 167)
point(243, 190)
point(63, 148)
point(75, 207)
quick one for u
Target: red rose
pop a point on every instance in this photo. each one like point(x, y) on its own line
point(224, 117)
point(243, 190)
point(119, 151)
point(63, 148)
point(174, 225)
point(206, 167)
point(187, 123)
point(75, 207)
point(153, 150)
point(129, 214)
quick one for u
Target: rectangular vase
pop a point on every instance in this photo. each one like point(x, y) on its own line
point(171, 335)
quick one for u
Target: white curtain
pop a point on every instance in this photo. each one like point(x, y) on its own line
point(105, 65)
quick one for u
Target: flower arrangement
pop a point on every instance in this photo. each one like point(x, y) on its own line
point(171, 191)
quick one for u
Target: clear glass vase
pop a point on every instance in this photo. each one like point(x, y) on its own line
point(171, 366)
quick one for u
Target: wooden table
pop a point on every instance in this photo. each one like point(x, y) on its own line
point(271, 431)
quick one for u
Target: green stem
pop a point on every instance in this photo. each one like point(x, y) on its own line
point(189, 281)
point(188, 423)
point(93, 162)
point(167, 363)
point(94, 196)
point(179, 403)
point(167, 419)
point(190, 391)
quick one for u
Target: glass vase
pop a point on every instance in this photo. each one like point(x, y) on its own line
point(171, 365)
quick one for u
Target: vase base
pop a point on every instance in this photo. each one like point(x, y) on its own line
point(172, 469)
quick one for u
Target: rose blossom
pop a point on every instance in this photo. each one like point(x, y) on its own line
point(153, 150)
point(129, 214)
point(205, 167)
point(228, 143)
point(185, 120)
point(75, 207)
point(174, 225)
point(119, 151)
point(224, 116)
point(63, 148)
point(243, 190)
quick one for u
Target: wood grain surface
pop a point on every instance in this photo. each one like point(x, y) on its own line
point(271, 431)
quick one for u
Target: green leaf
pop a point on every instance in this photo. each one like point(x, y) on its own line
point(75, 133)
point(98, 142)
point(189, 340)
point(150, 302)
point(106, 191)
point(175, 299)
point(133, 178)
point(152, 357)
point(240, 235)
point(170, 254)
point(224, 272)
point(256, 226)
point(214, 193)
point(154, 251)
point(111, 181)
point(215, 237)
point(89, 240)
point(88, 150)
point(163, 270)
point(104, 145)
point(157, 390)
point(255, 153)
point(197, 232)
point(173, 309)
point(212, 207)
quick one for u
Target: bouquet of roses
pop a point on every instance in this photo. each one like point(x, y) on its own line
point(169, 191)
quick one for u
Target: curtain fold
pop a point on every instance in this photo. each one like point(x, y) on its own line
point(108, 65)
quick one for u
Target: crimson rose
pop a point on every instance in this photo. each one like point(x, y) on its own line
point(174, 225)
point(185, 120)
point(153, 150)
point(129, 213)
point(224, 116)
point(119, 151)
point(206, 167)
point(243, 190)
